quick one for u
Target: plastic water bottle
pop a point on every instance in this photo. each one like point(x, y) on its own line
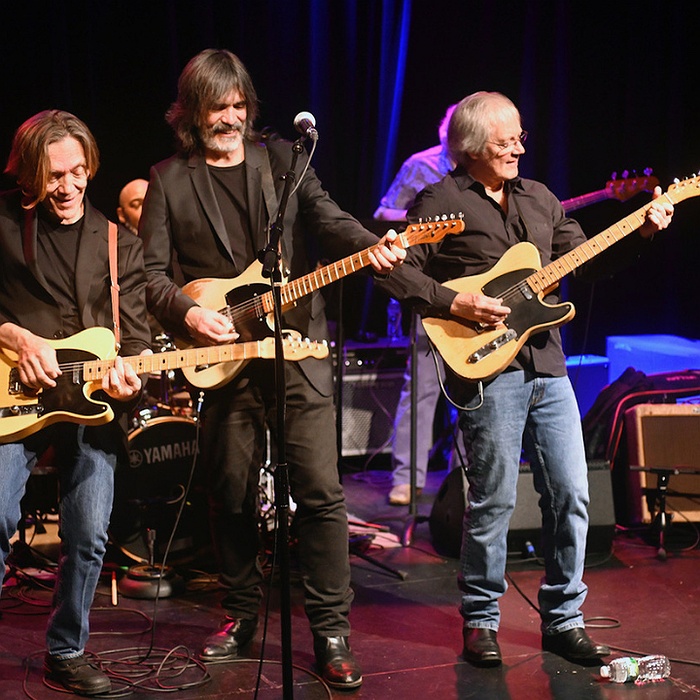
point(393, 320)
point(648, 668)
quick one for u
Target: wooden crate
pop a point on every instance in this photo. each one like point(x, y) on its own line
point(667, 436)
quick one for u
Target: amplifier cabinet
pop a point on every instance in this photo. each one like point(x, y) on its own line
point(368, 410)
point(667, 436)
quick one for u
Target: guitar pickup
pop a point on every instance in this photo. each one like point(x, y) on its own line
point(486, 350)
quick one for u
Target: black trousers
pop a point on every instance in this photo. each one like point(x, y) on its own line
point(233, 436)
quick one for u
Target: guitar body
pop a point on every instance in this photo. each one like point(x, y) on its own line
point(247, 299)
point(254, 324)
point(23, 412)
point(480, 353)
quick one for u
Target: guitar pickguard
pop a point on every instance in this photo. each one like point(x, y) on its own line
point(68, 395)
point(251, 324)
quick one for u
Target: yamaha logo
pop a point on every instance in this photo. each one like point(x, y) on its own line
point(162, 453)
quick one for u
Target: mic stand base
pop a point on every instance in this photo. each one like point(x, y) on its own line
point(148, 582)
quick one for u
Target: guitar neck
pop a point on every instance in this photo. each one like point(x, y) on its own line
point(296, 289)
point(549, 276)
point(584, 200)
point(424, 232)
point(95, 370)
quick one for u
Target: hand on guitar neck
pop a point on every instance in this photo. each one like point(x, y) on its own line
point(38, 367)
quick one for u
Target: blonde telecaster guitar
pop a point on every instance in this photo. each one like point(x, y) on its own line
point(86, 357)
point(247, 300)
point(478, 352)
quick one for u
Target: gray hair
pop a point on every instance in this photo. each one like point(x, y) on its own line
point(471, 123)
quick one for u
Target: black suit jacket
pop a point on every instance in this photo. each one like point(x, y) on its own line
point(26, 300)
point(181, 213)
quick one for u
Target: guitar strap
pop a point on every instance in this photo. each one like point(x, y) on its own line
point(114, 283)
point(270, 197)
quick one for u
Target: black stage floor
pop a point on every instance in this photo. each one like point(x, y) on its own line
point(406, 628)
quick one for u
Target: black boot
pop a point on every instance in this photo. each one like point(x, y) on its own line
point(576, 646)
point(481, 646)
point(227, 642)
point(336, 662)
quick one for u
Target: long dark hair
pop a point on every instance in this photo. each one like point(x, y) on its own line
point(206, 81)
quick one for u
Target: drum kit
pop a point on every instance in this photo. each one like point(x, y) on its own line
point(151, 494)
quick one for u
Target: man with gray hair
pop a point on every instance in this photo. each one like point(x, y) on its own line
point(530, 404)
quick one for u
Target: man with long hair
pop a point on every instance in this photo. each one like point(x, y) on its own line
point(212, 203)
point(55, 282)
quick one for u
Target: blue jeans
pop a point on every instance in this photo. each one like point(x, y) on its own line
point(427, 396)
point(540, 416)
point(86, 481)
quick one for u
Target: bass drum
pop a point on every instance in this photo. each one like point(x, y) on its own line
point(149, 493)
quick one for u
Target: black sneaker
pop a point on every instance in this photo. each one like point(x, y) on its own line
point(77, 675)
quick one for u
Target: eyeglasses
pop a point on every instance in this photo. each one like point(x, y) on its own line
point(503, 147)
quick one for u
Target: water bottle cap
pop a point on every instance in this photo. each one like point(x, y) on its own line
point(605, 671)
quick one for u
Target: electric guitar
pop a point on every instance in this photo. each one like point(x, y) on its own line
point(247, 300)
point(622, 190)
point(478, 352)
point(86, 357)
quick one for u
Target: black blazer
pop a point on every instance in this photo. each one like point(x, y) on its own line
point(26, 300)
point(181, 213)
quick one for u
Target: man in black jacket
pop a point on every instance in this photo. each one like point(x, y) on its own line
point(54, 283)
point(212, 204)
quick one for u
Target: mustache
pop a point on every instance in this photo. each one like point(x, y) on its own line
point(227, 128)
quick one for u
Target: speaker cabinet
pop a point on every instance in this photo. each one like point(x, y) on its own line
point(368, 410)
point(666, 436)
point(526, 522)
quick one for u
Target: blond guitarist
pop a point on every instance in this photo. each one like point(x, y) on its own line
point(530, 403)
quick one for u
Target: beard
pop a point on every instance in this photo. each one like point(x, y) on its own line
point(213, 137)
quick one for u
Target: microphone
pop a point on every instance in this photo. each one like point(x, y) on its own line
point(305, 123)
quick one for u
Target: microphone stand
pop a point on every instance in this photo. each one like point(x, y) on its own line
point(270, 259)
point(413, 517)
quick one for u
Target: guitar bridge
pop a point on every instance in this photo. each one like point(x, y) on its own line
point(486, 350)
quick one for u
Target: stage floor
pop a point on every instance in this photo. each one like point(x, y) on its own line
point(406, 627)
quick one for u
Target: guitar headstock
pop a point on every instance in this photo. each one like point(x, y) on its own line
point(432, 230)
point(628, 187)
point(294, 348)
point(683, 189)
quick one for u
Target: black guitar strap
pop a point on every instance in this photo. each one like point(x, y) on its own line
point(270, 197)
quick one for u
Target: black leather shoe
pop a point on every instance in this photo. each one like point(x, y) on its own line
point(77, 675)
point(335, 661)
point(228, 641)
point(481, 647)
point(576, 646)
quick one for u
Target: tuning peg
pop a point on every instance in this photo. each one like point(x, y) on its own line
point(625, 174)
point(675, 180)
point(648, 171)
point(613, 175)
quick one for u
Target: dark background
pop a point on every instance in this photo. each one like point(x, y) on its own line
point(602, 87)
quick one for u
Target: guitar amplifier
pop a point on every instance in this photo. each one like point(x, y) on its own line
point(666, 436)
point(373, 375)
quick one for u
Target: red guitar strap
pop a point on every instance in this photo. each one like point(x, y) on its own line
point(113, 282)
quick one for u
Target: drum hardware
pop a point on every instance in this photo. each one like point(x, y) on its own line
point(151, 580)
point(150, 492)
